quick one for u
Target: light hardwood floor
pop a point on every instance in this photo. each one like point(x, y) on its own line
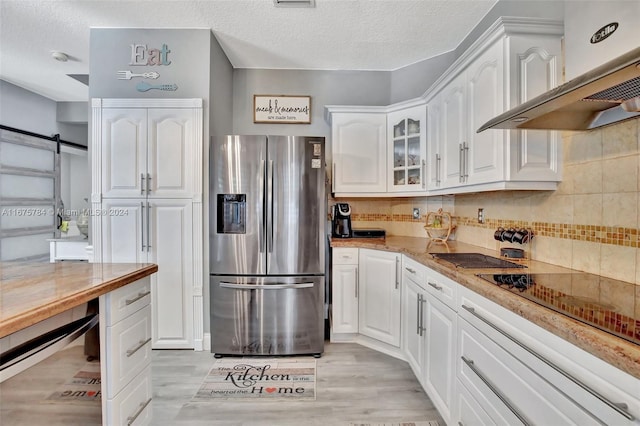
point(354, 384)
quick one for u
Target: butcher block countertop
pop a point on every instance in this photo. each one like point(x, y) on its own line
point(615, 350)
point(34, 291)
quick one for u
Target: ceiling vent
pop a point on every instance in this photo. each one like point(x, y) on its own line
point(294, 3)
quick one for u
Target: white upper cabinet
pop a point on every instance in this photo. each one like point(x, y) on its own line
point(147, 152)
point(434, 149)
point(452, 133)
point(124, 152)
point(483, 157)
point(514, 61)
point(407, 149)
point(379, 151)
point(359, 150)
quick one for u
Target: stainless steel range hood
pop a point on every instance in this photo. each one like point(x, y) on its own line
point(604, 95)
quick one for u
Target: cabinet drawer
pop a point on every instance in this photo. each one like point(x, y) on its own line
point(468, 410)
point(600, 390)
point(508, 388)
point(126, 300)
point(132, 406)
point(443, 288)
point(130, 349)
point(345, 256)
point(417, 272)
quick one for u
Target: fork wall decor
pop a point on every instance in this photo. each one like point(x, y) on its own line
point(128, 75)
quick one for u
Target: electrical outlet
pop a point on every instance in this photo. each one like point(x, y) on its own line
point(416, 213)
point(480, 215)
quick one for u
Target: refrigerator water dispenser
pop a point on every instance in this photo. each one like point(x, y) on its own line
point(232, 213)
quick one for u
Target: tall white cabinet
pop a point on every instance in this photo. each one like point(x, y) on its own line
point(147, 199)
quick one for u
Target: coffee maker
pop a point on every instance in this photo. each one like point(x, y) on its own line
point(341, 223)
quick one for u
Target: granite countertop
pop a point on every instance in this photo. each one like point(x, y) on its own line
point(34, 291)
point(617, 351)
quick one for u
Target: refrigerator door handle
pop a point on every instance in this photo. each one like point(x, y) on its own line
point(264, 287)
point(261, 241)
point(270, 219)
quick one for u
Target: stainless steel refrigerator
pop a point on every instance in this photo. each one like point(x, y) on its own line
point(267, 245)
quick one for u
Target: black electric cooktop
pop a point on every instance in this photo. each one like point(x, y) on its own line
point(607, 304)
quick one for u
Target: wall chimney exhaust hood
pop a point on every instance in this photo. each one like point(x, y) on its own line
point(605, 95)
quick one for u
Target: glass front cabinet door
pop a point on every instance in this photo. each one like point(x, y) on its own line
point(407, 149)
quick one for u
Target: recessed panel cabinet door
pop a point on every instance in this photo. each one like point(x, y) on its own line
point(453, 133)
point(359, 143)
point(123, 230)
point(170, 246)
point(169, 156)
point(344, 309)
point(379, 296)
point(124, 152)
point(413, 331)
point(440, 355)
point(484, 161)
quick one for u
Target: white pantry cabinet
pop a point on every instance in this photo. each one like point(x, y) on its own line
point(147, 195)
point(344, 286)
point(379, 296)
point(157, 231)
point(514, 61)
point(147, 152)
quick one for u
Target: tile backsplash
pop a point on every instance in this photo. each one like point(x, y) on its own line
point(589, 223)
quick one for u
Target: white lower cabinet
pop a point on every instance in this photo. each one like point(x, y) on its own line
point(132, 407)
point(344, 285)
point(440, 354)
point(158, 231)
point(125, 354)
point(468, 410)
point(413, 330)
point(479, 363)
point(366, 297)
point(520, 373)
point(379, 296)
point(429, 332)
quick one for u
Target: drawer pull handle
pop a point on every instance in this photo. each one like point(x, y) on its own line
point(619, 407)
point(434, 285)
point(140, 296)
point(133, 418)
point(493, 389)
point(141, 344)
point(410, 270)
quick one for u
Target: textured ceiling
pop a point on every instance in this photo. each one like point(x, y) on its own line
point(334, 35)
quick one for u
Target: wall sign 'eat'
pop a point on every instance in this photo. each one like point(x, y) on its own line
point(143, 56)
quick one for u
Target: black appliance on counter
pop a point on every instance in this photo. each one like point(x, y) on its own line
point(341, 221)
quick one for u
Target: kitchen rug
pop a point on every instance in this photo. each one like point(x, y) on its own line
point(255, 378)
point(84, 386)
point(429, 423)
